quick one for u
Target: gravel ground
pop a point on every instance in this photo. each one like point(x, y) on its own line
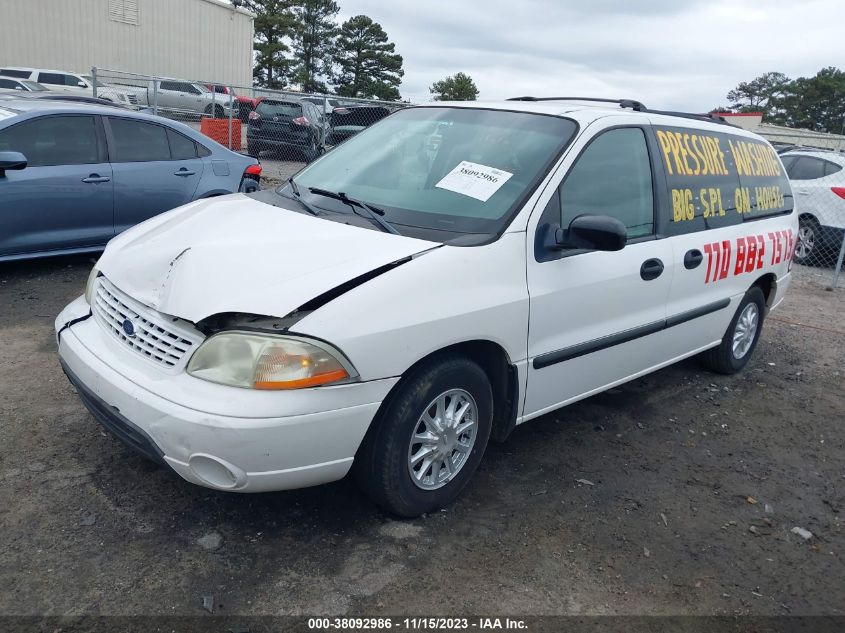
point(674, 494)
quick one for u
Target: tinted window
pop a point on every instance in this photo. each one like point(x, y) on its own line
point(136, 141)
point(831, 168)
point(181, 147)
point(54, 79)
point(807, 168)
point(719, 179)
point(203, 151)
point(23, 74)
point(55, 140)
point(170, 85)
point(9, 83)
point(276, 108)
point(612, 177)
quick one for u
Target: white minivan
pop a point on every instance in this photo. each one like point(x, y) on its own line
point(401, 301)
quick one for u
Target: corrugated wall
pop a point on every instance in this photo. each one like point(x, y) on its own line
point(191, 39)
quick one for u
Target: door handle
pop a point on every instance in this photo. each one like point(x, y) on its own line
point(184, 172)
point(692, 259)
point(803, 192)
point(96, 178)
point(651, 269)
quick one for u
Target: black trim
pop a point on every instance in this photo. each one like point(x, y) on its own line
point(111, 418)
point(704, 310)
point(69, 323)
point(596, 345)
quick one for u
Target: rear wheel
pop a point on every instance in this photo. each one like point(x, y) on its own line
point(214, 111)
point(809, 233)
point(428, 439)
point(741, 337)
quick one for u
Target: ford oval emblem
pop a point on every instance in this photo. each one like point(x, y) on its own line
point(128, 328)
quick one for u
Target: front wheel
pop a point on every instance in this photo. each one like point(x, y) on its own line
point(741, 337)
point(428, 439)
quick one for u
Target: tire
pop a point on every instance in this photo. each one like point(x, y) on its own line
point(218, 111)
point(809, 235)
point(732, 355)
point(312, 152)
point(384, 464)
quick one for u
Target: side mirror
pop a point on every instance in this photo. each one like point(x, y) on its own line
point(82, 84)
point(590, 232)
point(11, 160)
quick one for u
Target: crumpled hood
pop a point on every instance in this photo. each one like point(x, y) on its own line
point(236, 254)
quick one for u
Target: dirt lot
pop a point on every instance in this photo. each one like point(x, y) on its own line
point(677, 469)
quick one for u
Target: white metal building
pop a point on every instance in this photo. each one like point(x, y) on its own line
point(779, 134)
point(192, 39)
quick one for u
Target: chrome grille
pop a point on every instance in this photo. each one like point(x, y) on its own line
point(157, 337)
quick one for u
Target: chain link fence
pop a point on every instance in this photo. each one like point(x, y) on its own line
point(818, 184)
point(284, 129)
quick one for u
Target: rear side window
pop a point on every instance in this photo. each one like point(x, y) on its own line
point(53, 79)
point(22, 74)
point(811, 168)
point(9, 83)
point(181, 147)
point(138, 141)
point(275, 108)
point(612, 177)
point(717, 179)
point(54, 140)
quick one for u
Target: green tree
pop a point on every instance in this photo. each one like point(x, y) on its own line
point(313, 42)
point(367, 63)
point(817, 103)
point(460, 87)
point(764, 94)
point(274, 23)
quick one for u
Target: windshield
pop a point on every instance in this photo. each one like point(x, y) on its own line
point(460, 170)
point(34, 86)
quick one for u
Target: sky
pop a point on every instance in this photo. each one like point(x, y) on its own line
point(669, 54)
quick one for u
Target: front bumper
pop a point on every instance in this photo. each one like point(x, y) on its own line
point(212, 435)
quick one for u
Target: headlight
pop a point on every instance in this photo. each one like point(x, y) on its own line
point(89, 285)
point(266, 361)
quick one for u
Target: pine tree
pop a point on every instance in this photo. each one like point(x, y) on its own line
point(274, 23)
point(368, 65)
point(313, 41)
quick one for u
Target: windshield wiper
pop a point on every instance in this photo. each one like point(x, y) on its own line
point(299, 199)
point(373, 213)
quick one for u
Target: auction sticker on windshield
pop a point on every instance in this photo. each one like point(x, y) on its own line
point(474, 180)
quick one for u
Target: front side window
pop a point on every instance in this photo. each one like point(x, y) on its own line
point(138, 141)
point(54, 140)
point(612, 177)
point(458, 170)
point(9, 83)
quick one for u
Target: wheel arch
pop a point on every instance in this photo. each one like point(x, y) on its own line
point(503, 376)
point(768, 283)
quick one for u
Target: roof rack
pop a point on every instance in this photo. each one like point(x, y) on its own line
point(635, 105)
point(624, 103)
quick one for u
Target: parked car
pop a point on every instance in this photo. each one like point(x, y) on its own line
point(286, 126)
point(12, 84)
point(387, 312)
point(60, 96)
point(348, 120)
point(818, 180)
point(74, 83)
point(245, 105)
point(324, 104)
point(72, 176)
